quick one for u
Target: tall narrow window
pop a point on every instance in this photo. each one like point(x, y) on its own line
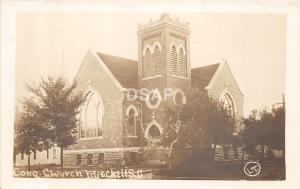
point(181, 62)
point(131, 129)
point(148, 62)
point(157, 59)
point(173, 60)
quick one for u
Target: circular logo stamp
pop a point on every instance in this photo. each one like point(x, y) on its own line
point(153, 99)
point(252, 169)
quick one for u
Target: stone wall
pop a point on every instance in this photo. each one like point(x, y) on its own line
point(115, 157)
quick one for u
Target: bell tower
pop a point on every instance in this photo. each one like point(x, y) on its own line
point(164, 54)
point(163, 62)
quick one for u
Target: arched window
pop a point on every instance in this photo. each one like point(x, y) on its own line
point(157, 59)
point(179, 97)
point(131, 128)
point(91, 116)
point(154, 132)
point(132, 114)
point(173, 60)
point(147, 62)
point(181, 62)
point(227, 102)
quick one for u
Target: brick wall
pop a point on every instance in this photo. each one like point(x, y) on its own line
point(91, 75)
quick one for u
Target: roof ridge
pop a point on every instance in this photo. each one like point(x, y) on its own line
point(207, 65)
point(105, 54)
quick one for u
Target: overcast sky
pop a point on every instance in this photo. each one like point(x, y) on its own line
point(253, 45)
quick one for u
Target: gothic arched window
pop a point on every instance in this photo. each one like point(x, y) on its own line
point(173, 60)
point(181, 62)
point(91, 116)
point(227, 102)
point(157, 59)
point(147, 62)
point(131, 127)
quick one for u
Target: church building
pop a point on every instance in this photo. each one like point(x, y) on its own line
point(116, 123)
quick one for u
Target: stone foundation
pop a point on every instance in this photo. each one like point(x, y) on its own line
point(113, 156)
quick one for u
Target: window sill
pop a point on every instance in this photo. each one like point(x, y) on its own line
point(177, 76)
point(91, 138)
point(134, 136)
point(152, 77)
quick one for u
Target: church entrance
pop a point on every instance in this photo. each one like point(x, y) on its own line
point(153, 134)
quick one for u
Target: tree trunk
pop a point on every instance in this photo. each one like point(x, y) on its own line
point(213, 152)
point(235, 151)
point(28, 162)
point(244, 153)
point(262, 153)
point(61, 157)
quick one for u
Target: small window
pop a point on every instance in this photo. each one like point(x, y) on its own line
point(54, 153)
point(178, 98)
point(78, 159)
point(90, 159)
point(100, 158)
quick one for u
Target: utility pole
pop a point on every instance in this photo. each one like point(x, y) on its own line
point(283, 101)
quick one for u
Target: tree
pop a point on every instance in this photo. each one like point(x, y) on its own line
point(205, 123)
point(59, 107)
point(28, 130)
point(263, 128)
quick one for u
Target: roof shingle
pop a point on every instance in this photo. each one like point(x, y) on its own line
point(201, 76)
point(124, 70)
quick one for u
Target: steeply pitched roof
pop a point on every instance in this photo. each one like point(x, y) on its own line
point(201, 76)
point(124, 70)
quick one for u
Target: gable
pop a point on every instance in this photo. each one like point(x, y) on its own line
point(93, 70)
point(223, 78)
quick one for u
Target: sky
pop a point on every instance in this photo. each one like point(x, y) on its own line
point(253, 44)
